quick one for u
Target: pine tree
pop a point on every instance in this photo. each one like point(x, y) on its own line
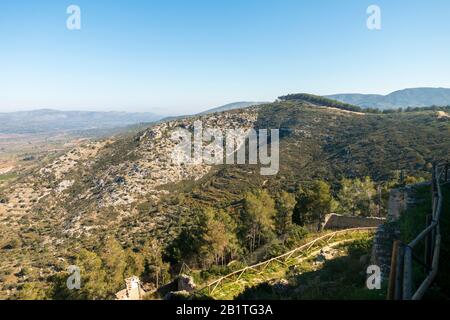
point(258, 218)
point(155, 270)
point(114, 262)
point(357, 197)
point(219, 237)
point(285, 205)
point(93, 276)
point(135, 263)
point(33, 291)
point(313, 203)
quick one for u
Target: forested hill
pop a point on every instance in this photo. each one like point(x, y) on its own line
point(321, 101)
point(335, 102)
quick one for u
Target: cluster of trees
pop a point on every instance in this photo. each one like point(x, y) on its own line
point(313, 203)
point(358, 197)
point(258, 219)
point(416, 109)
point(213, 237)
point(353, 197)
point(207, 236)
point(103, 272)
point(319, 100)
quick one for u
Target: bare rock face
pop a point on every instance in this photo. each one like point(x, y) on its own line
point(186, 283)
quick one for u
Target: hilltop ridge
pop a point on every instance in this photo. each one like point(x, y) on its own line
point(413, 97)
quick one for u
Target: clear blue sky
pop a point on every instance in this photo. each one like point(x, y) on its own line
point(173, 56)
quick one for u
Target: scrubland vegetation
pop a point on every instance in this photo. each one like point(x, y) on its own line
point(330, 161)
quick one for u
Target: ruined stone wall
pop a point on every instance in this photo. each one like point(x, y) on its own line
point(382, 247)
point(337, 222)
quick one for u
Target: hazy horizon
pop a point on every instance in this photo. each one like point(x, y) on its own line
point(173, 57)
point(165, 112)
point(156, 111)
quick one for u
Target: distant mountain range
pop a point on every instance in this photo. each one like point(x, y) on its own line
point(48, 121)
point(415, 97)
point(55, 121)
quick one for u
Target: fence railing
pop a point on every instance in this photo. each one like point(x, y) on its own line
point(281, 259)
point(403, 255)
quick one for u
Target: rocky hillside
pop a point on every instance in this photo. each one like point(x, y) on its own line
point(96, 188)
point(129, 187)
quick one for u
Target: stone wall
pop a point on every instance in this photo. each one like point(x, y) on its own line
point(337, 222)
point(382, 247)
